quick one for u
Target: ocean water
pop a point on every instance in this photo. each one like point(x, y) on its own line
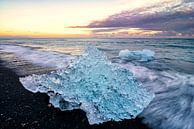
point(171, 54)
point(170, 75)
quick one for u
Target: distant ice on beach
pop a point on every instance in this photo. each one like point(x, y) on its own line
point(103, 90)
point(144, 55)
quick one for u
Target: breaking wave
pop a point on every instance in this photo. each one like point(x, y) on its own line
point(42, 58)
point(173, 105)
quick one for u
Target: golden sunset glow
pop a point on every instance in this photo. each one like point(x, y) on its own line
point(52, 18)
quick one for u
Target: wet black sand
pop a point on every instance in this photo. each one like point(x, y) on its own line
point(20, 108)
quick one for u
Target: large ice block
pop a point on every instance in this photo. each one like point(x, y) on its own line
point(104, 91)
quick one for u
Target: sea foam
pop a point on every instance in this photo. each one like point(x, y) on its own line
point(39, 57)
point(173, 105)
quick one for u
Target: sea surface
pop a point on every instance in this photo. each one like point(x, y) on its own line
point(170, 75)
point(171, 54)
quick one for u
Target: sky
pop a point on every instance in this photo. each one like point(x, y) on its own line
point(97, 18)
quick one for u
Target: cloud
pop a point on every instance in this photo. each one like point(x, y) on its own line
point(168, 17)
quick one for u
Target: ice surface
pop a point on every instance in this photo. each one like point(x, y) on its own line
point(144, 55)
point(104, 91)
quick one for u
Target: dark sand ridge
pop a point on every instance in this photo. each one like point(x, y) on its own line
point(20, 108)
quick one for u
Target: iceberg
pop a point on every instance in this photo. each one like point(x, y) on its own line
point(103, 90)
point(144, 55)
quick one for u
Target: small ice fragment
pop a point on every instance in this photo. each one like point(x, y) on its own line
point(144, 55)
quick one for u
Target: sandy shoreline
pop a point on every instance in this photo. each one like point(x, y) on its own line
point(23, 109)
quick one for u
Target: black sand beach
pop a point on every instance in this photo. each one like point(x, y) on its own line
point(20, 108)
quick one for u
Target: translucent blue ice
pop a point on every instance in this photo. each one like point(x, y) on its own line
point(144, 55)
point(104, 91)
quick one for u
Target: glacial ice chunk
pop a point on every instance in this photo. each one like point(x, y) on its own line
point(104, 91)
point(144, 55)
